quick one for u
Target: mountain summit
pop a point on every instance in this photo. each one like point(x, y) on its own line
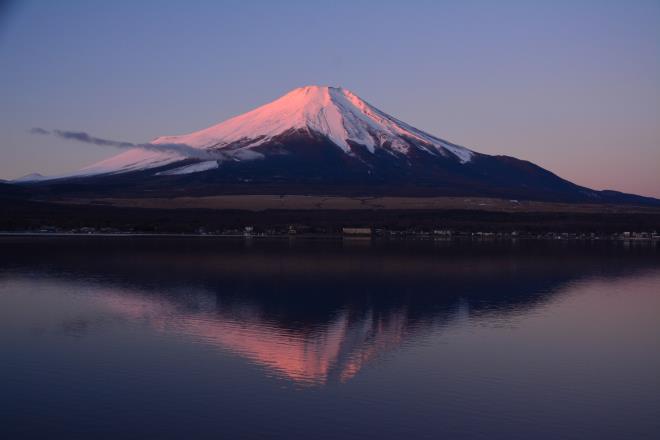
point(332, 112)
point(320, 139)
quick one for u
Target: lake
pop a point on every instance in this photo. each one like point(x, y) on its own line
point(215, 338)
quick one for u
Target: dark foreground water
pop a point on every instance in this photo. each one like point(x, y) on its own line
point(207, 338)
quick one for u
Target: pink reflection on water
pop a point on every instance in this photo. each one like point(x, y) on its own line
point(338, 350)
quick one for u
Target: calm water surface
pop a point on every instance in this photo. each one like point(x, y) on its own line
point(209, 338)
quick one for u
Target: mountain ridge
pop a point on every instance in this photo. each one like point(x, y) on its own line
point(321, 138)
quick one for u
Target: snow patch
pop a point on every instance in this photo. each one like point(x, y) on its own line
point(189, 169)
point(246, 154)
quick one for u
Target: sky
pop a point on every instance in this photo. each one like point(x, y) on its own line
point(573, 86)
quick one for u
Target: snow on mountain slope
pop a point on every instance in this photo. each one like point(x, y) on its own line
point(132, 160)
point(335, 113)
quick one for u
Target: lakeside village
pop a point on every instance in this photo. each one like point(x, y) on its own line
point(358, 232)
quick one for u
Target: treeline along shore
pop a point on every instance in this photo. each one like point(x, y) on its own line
point(20, 215)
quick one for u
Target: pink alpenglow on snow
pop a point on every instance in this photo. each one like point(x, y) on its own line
point(334, 112)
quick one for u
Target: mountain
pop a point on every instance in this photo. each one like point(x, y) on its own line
point(322, 140)
point(32, 177)
point(332, 114)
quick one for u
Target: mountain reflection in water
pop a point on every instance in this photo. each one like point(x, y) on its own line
point(308, 312)
point(335, 350)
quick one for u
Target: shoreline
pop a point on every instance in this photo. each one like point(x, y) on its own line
point(458, 236)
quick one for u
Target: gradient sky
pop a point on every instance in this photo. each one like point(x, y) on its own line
point(573, 86)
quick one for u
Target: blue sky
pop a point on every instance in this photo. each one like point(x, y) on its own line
point(571, 85)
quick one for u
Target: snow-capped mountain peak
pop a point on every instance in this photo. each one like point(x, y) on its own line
point(318, 140)
point(334, 112)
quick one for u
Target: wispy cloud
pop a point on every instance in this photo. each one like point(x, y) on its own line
point(80, 136)
point(37, 130)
